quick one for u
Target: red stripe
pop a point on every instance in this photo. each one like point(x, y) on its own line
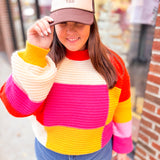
point(123, 77)
point(77, 55)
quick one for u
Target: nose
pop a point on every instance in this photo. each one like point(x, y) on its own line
point(70, 27)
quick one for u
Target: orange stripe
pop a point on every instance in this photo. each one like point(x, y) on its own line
point(123, 112)
point(34, 55)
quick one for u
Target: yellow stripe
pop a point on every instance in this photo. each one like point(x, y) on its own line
point(72, 141)
point(123, 112)
point(113, 102)
point(34, 55)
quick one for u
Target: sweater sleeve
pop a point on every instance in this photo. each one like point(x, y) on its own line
point(122, 120)
point(32, 77)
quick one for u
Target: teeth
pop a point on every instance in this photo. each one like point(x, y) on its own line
point(73, 39)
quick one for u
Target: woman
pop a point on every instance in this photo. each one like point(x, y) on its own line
point(79, 95)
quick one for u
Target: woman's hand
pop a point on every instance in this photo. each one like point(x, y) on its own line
point(119, 156)
point(40, 33)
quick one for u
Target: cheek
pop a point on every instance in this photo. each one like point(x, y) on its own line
point(59, 32)
point(86, 34)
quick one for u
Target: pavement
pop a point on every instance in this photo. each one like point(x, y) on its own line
point(16, 136)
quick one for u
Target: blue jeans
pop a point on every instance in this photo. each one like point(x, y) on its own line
point(42, 153)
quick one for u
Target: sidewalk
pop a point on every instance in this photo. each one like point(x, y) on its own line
point(16, 136)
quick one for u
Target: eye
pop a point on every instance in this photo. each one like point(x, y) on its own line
point(63, 23)
point(79, 24)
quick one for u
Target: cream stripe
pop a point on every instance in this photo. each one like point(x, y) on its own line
point(78, 72)
point(39, 131)
point(34, 80)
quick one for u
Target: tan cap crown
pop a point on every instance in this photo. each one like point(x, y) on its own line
point(80, 4)
point(81, 11)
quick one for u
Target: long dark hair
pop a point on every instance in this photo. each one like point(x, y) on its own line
point(99, 54)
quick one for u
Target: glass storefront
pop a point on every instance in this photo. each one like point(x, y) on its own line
point(114, 26)
point(23, 14)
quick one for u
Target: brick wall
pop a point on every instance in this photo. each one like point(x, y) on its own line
point(148, 145)
point(6, 29)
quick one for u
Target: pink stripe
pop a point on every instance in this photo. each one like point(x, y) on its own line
point(81, 106)
point(19, 100)
point(122, 130)
point(107, 134)
point(122, 145)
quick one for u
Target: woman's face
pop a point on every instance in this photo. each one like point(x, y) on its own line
point(73, 35)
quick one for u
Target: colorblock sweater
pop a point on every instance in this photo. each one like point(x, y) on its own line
point(73, 111)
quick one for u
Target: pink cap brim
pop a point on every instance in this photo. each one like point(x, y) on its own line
point(72, 15)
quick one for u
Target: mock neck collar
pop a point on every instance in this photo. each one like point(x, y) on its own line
point(77, 55)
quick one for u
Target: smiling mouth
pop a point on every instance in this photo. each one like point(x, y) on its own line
point(73, 39)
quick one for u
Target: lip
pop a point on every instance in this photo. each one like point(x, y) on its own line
point(73, 40)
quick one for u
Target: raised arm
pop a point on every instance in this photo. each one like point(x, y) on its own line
point(33, 72)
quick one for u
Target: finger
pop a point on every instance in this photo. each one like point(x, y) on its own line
point(49, 19)
point(121, 157)
point(42, 27)
point(47, 26)
point(34, 30)
point(38, 30)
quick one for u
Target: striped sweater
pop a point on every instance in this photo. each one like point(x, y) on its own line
point(73, 111)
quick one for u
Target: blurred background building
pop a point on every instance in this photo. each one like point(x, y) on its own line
point(125, 26)
point(16, 16)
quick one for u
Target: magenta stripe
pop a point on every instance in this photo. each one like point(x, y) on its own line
point(81, 106)
point(122, 145)
point(122, 130)
point(18, 99)
point(107, 134)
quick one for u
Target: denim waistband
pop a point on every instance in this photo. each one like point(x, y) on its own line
point(42, 153)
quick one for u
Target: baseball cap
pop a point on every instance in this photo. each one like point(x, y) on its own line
point(81, 11)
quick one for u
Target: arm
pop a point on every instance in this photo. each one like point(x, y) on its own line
point(32, 74)
point(122, 142)
point(28, 86)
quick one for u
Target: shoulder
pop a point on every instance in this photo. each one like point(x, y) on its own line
point(123, 76)
point(117, 62)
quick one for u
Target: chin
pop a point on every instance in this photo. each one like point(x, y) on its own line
point(76, 49)
point(73, 49)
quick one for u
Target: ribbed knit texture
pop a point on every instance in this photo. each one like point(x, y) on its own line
point(73, 110)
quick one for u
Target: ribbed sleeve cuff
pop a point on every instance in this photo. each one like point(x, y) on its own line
point(122, 145)
point(34, 55)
